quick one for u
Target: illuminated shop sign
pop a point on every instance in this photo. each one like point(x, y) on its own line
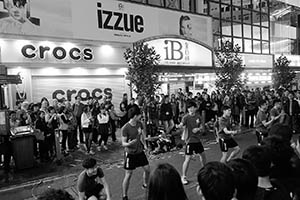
point(60, 53)
point(97, 93)
point(257, 61)
point(178, 51)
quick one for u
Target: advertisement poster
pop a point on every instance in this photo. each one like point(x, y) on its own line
point(103, 20)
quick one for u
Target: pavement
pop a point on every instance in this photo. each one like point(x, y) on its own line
point(33, 181)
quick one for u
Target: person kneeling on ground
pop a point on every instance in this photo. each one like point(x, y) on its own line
point(91, 181)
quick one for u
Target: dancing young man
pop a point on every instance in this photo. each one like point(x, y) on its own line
point(133, 140)
point(192, 123)
point(225, 133)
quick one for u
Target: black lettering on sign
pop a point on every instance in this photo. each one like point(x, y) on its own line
point(84, 97)
point(75, 53)
point(59, 53)
point(119, 21)
point(27, 54)
point(69, 94)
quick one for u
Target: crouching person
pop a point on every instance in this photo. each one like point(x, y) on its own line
point(91, 182)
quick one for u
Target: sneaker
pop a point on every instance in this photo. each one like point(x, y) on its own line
point(92, 152)
point(105, 147)
point(125, 198)
point(184, 180)
point(99, 148)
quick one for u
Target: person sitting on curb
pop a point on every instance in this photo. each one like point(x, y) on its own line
point(91, 181)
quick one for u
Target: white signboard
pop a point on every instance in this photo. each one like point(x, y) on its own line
point(178, 51)
point(105, 20)
point(257, 61)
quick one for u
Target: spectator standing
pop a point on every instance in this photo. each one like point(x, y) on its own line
point(166, 115)
point(86, 124)
point(77, 110)
point(164, 183)
point(215, 182)
point(103, 119)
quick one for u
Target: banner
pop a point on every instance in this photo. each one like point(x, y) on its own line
point(103, 20)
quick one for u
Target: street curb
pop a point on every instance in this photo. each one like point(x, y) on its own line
point(25, 191)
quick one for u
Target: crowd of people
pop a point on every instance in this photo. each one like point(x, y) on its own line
point(268, 170)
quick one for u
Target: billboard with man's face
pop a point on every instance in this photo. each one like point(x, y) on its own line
point(103, 20)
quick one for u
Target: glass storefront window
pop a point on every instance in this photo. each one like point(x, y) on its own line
point(256, 32)
point(265, 33)
point(248, 46)
point(256, 5)
point(236, 14)
point(247, 16)
point(238, 41)
point(247, 31)
point(200, 5)
point(265, 47)
point(264, 6)
point(225, 11)
point(217, 41)
point(226, 28)
point(265, 20)
point(237, 29)
point(256, 18)
point(216, 26)
point(247, 4)
point(215, 10)
point(256, 46)
point(237, 3)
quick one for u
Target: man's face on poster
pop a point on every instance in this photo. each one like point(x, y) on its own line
point(186, 28)
point(16, 9)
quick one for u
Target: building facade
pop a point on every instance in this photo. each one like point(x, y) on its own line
point(64, 48)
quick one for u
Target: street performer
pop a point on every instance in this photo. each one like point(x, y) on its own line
point(133, 140)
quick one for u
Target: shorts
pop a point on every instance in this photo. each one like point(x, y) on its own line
point(132, 161)
point(194, 148)
point(94, 192)
point(225, 144)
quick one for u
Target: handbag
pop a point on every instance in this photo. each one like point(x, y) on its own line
point(184, 134)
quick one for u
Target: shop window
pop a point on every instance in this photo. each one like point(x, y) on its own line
point(256, 32)
point(265, 20)
point(239, 42)
point(265, 47)
point(265, 33)
point(216, 26)
point(237, 3)
point(247, 4)
point(236, 14)
point(247, 46)
point(237, 29)
point(256, 18)
point(215, 10)
point(247, 31)
point(201, 6)
point(256, 46)
point(225, 12)
point(247, 16)
point(264, 6)
point(217, 41)
point(226, 27)
point(256, 5)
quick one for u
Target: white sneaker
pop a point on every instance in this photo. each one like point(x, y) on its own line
point(184, 180)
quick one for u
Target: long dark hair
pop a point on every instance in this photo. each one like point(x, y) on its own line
point(165, 184)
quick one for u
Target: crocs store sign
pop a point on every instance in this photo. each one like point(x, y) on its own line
point(42, 52)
